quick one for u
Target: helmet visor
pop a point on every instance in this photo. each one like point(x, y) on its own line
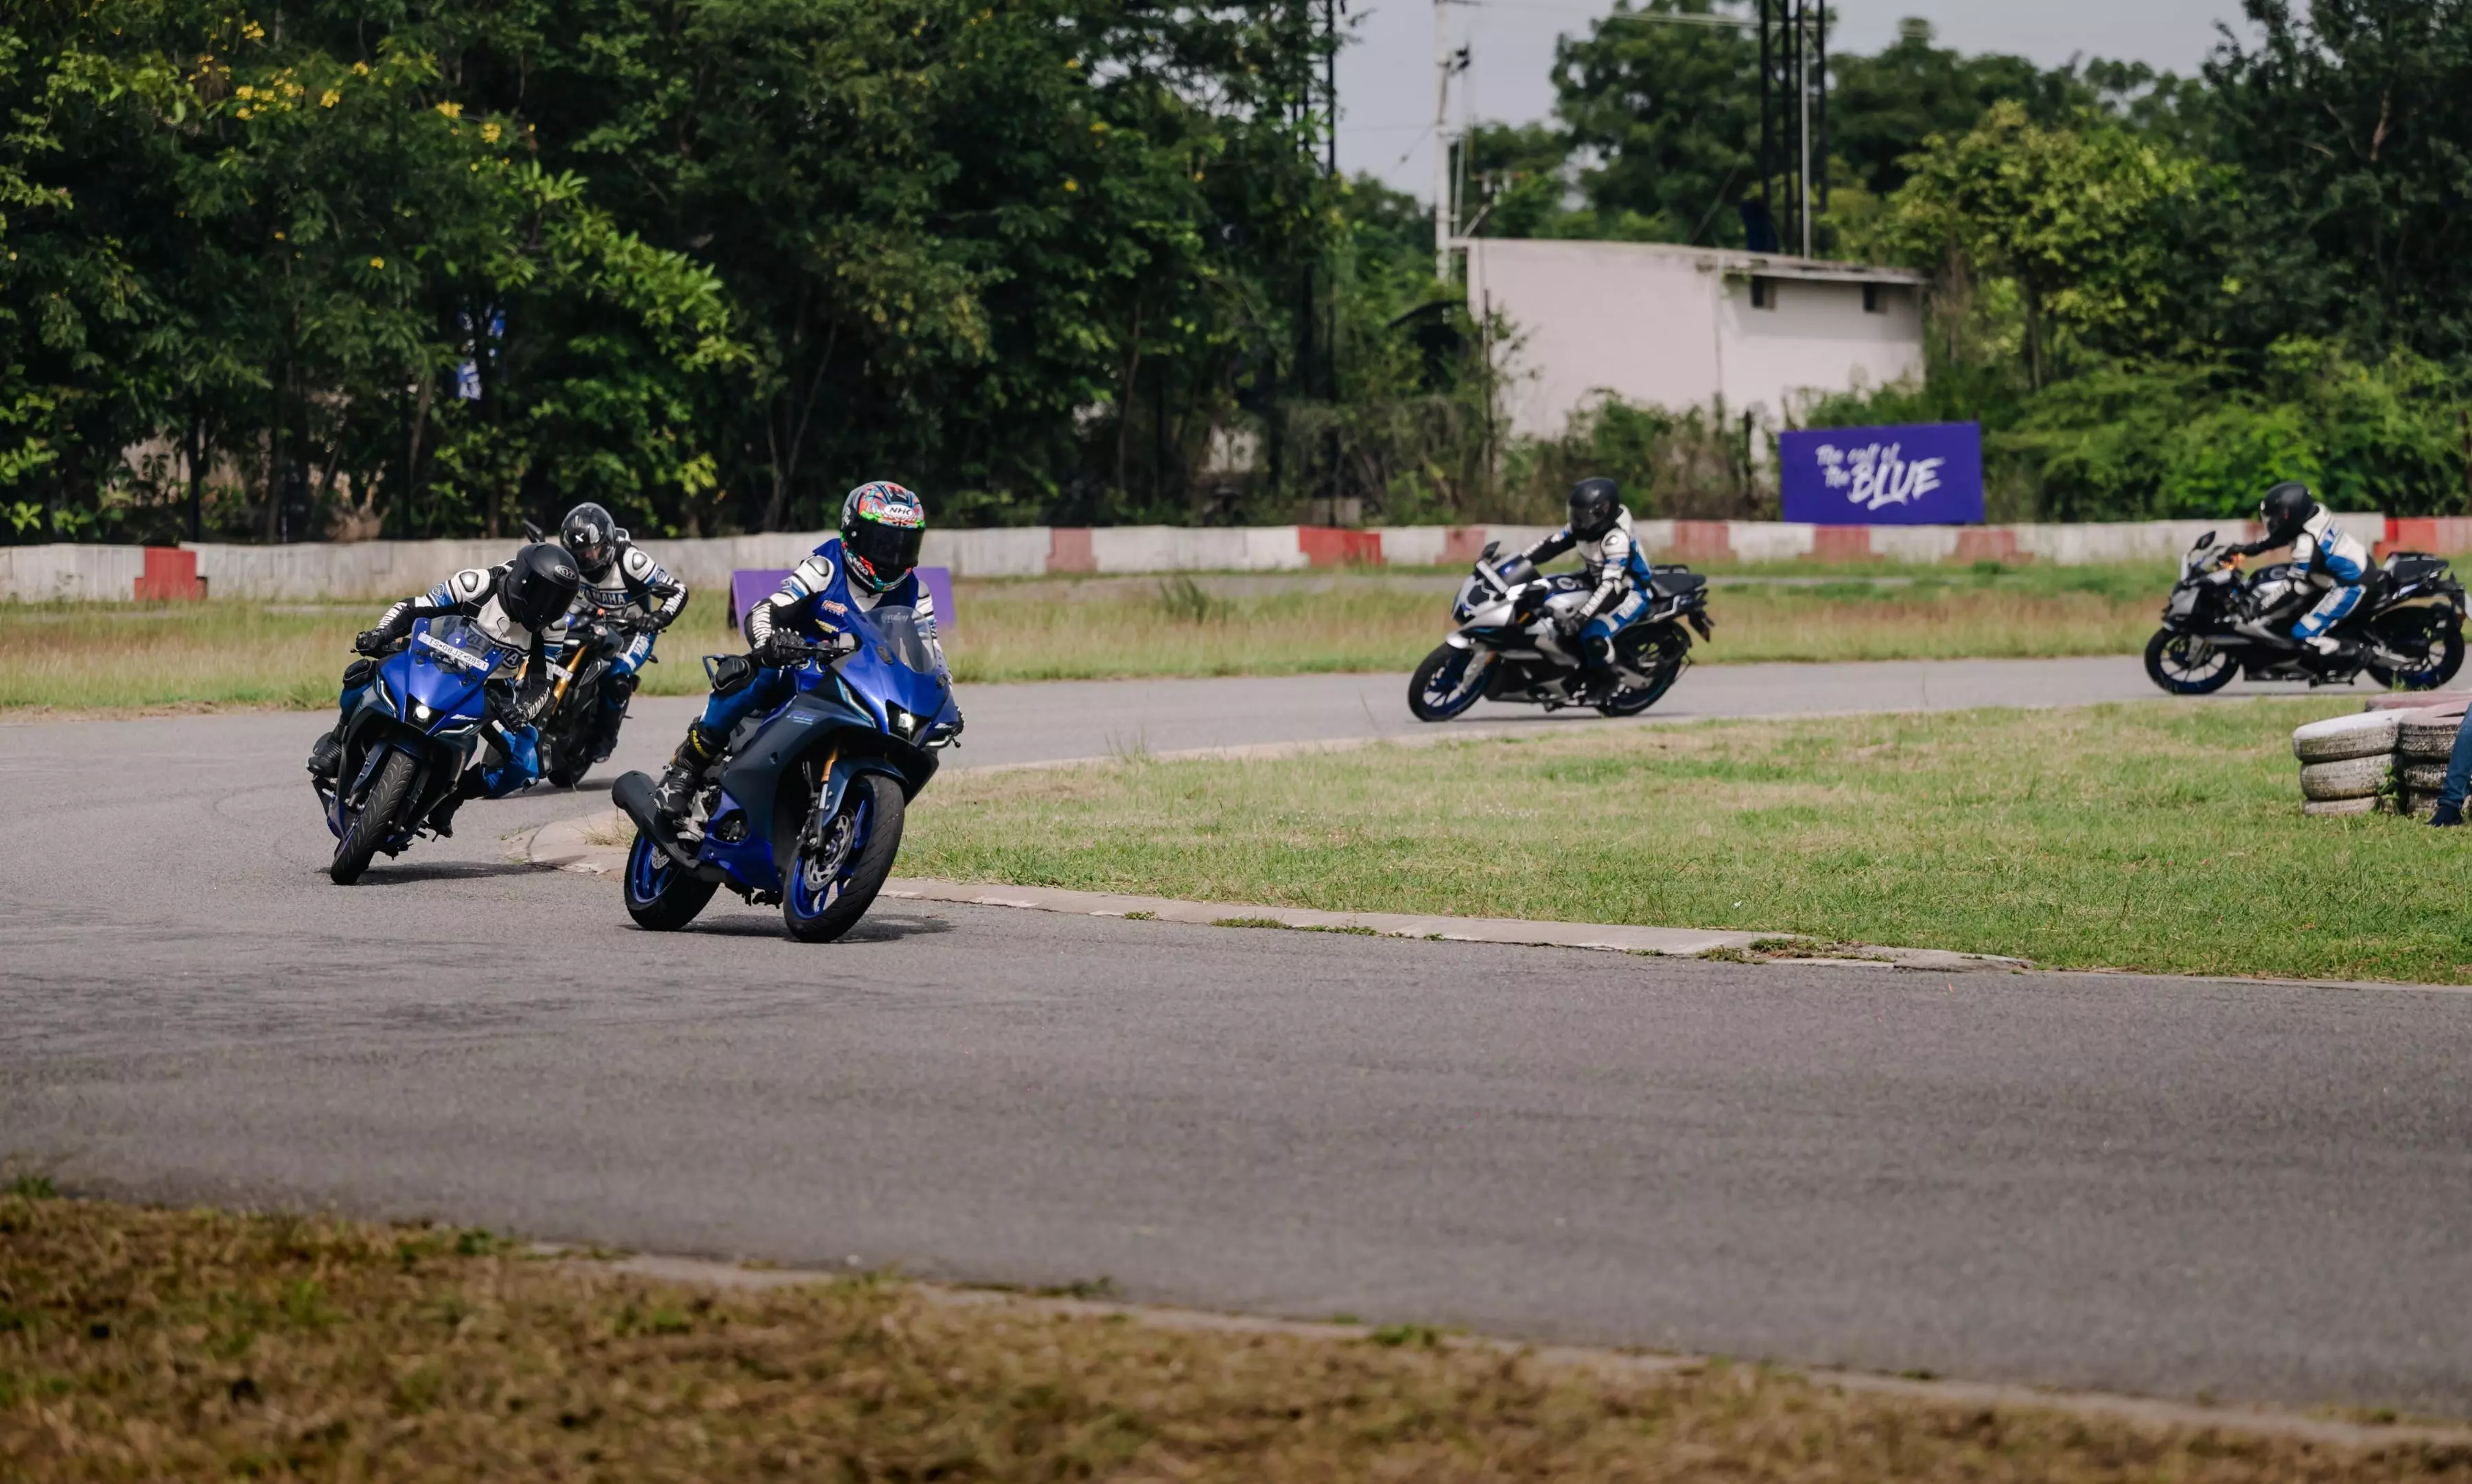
point(891, 549)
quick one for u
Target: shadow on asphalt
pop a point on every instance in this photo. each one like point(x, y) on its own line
point(443, 871)
point(872, 928)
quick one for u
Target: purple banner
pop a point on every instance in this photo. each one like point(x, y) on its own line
point(1923, 474)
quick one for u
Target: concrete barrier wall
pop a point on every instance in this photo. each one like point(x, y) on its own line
point(378, 569)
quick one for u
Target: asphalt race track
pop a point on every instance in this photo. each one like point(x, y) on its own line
point(2175, 1187)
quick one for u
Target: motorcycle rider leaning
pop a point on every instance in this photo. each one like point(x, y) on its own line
point(872, 564)
point(1612, 565)
point(617, 574)
point(515, 603)
point(2329, 557)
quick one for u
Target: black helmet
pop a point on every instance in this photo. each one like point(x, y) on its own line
point(589, 536)
point(2286, 507)
point(882, 525)
point(540, 584)
point(1594, 506)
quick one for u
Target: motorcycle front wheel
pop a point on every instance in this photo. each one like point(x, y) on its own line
point(1447, 683)
point(375, 820)
point(832, 883)
point(2187, 664)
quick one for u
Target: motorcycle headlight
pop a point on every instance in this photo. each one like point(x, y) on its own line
point(908, 725)
point(420, 712)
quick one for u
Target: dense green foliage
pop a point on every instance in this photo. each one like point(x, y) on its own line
point(2157, 293)
point(425, 265)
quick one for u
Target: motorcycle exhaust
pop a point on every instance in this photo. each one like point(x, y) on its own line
point(632, 793)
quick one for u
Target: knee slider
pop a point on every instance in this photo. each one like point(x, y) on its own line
point(359, 672)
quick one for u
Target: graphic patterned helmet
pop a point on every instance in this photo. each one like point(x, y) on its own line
point(882, 526)
point(2286, 507)
point(589, 536)
point(540, 584)
point(1595, 503)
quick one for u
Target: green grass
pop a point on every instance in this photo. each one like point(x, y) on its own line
point(141, 1344)
point(81, 657)
point(2159, 836)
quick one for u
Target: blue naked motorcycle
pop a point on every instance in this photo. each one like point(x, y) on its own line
point(406, 744)
point(806, 810)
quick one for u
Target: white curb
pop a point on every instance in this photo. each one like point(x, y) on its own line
point(581, 845)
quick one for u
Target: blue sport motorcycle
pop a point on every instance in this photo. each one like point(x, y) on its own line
point(406, 744)
point(807, 808)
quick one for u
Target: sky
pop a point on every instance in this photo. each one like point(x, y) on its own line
point(1386, 79)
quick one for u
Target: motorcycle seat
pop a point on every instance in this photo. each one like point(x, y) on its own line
point(1675, 584)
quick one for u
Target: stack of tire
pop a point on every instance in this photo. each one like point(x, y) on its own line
point(2424, 740)
point(2347, 762)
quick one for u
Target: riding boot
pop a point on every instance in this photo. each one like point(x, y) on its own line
point(442, 818)
point(2447, 817)
point(676, 793)
point(327, 754)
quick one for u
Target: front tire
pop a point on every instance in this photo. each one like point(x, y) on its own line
point(830, 884)
point(661, 897)
point(2187, 664)
point(375, 821)
point(1447, 683)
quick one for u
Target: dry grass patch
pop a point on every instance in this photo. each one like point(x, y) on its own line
point(145, 1344)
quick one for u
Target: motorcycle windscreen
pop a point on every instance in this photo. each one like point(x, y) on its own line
point(451, 659)
point(898, 666)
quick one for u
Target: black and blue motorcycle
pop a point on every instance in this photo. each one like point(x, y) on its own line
point(804, 806)
point(406, 743)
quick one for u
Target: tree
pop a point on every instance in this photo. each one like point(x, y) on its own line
point(1670, 112)
point(2350, 130)
point(2082, 220)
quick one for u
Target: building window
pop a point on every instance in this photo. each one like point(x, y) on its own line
point(1875, 299)
point(1763, 293)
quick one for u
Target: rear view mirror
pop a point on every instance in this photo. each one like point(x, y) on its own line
point(2209, 539)
point(1490, 547)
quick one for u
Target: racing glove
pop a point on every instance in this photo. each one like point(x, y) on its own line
point(780, 649)
point(372, 642)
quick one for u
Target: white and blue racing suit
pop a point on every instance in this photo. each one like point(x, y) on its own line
point(632, 578)
point(2329, 556)
point(1618, 576)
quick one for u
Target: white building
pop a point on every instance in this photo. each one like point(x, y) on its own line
point(1680, 327)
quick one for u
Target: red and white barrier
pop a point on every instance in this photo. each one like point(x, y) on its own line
point(309, 570)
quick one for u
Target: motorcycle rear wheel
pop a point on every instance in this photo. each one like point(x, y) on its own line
point(1448, 668)
point(1630, 702)
point(2447, 659)
point(661, 897)
point(375, 821)
point(2168, 663)
point(831, 885)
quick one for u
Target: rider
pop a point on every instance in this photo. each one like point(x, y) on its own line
point(1612, 565)
point(871, 565)
point(2328, 556)
point(515, 603)
point(616, 573)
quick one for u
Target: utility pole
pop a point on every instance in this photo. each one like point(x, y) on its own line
point(1443, 205)
point(1802, 90)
